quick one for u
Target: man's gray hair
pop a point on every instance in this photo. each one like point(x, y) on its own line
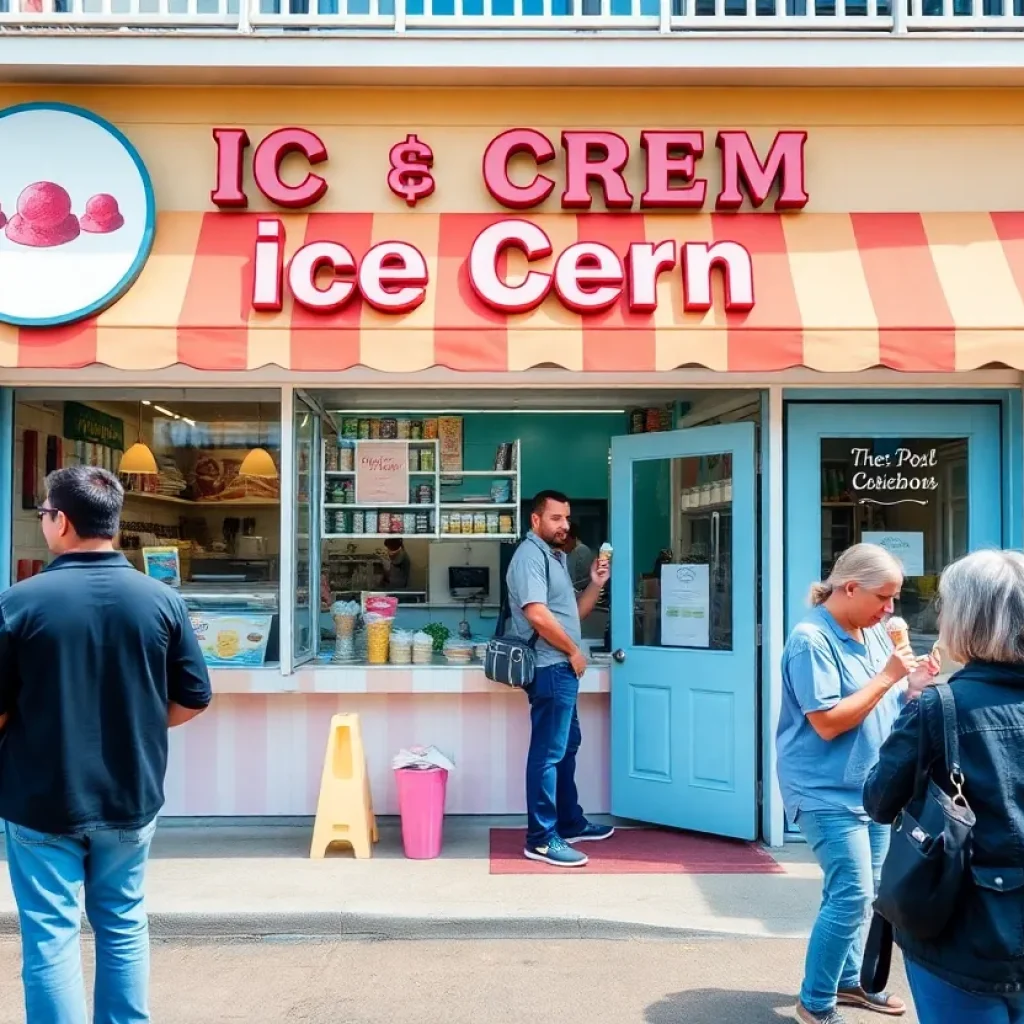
point(981, 612)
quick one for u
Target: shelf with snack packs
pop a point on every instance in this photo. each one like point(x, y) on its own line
point(402, 477)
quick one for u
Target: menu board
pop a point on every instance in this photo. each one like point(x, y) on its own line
point(236, 639)
point(382, 473)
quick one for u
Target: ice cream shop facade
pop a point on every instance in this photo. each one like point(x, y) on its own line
point(334, 345)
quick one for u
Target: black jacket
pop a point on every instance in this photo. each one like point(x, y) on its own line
point(982, 949)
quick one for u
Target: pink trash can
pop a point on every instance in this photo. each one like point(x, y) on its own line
point(421, 793)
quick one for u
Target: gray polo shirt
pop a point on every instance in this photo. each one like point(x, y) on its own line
point(526, 585)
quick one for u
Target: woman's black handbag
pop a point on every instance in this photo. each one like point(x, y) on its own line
point(930, 847)
point(929, 851)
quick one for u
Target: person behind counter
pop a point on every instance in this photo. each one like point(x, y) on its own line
point(542, 600)
point(579, 558)
point(401, 565)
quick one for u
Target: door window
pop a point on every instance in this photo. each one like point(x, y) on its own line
point(307, 582)
point(682, 552)
point(909, 495)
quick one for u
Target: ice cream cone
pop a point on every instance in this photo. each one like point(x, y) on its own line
point(605, 554)
point(899, 632)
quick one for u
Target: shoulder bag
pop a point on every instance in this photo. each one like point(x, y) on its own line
point(929, 850)
point(510, 660)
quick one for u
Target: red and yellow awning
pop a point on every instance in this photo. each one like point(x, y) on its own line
point(833, 292)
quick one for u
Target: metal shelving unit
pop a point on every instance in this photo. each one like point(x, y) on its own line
point(441, 480)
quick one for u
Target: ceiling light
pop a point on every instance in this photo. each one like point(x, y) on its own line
point(139, 459)
point(259, 462)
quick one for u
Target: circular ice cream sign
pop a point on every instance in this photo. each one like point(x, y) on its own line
point(76, 214)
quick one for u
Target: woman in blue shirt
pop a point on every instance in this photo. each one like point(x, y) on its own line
point(841, 695)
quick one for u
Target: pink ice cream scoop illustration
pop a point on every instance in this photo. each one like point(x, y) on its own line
point(3, 217)
point(102, 215)
point(44, 218)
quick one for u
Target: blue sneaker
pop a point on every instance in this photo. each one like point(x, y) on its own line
point(591, 833)
point(556, 853)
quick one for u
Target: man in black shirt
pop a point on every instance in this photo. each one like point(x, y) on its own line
point(97, 661)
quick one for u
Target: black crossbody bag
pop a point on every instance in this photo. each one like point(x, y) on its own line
point(929, 851)
point(510, 660)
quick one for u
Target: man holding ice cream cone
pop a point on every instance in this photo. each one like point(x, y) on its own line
point(545, 606)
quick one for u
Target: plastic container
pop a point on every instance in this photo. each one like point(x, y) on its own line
point(378, 635)
point(458, 652)
point(422, 649)
point(401, 647)
point(421, 795)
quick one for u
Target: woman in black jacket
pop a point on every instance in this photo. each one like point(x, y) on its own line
point(974, 972)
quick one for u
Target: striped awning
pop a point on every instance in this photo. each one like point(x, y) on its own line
point(833, 292)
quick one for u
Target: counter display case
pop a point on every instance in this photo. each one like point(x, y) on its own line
point(237, 625)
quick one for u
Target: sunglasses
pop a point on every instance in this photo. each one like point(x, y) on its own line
point(41, 512)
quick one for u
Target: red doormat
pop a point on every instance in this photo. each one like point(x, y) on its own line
point(641, 851)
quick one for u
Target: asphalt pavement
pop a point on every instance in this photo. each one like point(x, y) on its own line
point(705, 981)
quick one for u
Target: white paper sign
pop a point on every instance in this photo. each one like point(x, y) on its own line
point(382, 473)
point(685, 606)
point(908, 547)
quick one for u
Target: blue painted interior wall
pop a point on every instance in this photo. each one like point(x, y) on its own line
point(564, 451)
point(652, 512)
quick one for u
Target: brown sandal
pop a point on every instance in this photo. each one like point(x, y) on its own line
point(878, 1002)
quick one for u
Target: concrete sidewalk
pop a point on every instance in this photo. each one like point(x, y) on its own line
point(243, 880)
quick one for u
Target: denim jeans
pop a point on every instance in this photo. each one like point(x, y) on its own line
point(938, 1002)
point(850, 853)
point(552, 804)
point(47, 876)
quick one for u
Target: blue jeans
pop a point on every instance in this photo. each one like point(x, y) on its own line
point(938, 1002)
point(47, 875)
point(850, 853)
point(552, 804)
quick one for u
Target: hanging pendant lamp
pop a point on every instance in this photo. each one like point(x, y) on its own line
point(139, 460)
point(259, 462)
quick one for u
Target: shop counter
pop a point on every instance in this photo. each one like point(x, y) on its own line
point(260, 749)
point(328, 678)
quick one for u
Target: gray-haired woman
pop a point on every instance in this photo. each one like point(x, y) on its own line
point(974, 971)
point(841, 695)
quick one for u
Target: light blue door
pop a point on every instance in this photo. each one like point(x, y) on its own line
point(684, 635)
point(923, 480)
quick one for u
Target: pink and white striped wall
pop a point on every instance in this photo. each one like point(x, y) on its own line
point(262, 753)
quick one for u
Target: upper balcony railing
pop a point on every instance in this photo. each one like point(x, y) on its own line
point(555, 16)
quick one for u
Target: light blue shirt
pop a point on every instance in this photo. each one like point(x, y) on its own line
point(527, 584)
point(821, 665)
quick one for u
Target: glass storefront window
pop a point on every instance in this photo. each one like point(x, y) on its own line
point(208, 521)
point(309, 602)
point(682, 546)
point(909, 495)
